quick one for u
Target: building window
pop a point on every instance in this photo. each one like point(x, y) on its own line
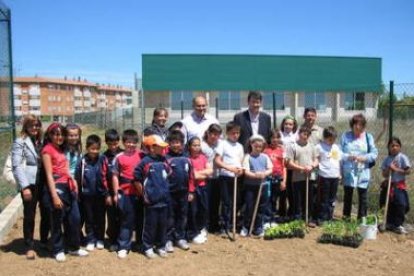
point(267, 101)
point(229, 100)
point(185, 96)
point(316, 100)
point(355, 101)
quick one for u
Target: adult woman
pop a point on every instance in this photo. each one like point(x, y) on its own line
point(359, 152)
point(159, 120)
point(26, 164)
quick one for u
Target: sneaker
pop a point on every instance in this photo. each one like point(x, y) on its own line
point(169, 247)
point(400, 230)
point(266, 226)
point(273, 224)
point(199, 239)
point(90, 246)
point(30, 254)
point(60, 257)
point(80, 252)
point(162, 253)
point(311, 224)
point(204, 232)
point(100, 245)
point(122, 254)
point(244, 232)
point(183, 244)
point(150, 254)
point(113, 248)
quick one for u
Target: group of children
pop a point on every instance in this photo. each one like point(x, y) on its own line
point(171, 191)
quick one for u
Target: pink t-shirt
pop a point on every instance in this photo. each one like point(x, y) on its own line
point(277, 156)
point(198, 163)
point(60, 165)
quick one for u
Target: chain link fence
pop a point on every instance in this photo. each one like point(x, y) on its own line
point(6, 109)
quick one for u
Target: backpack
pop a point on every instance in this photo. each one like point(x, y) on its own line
point(155, 184)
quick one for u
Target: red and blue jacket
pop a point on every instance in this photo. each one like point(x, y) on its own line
point(91, 176)
point(152, 172)
point(181, 177)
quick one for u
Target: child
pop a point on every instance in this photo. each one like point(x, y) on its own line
point(257, 167)
point(151, 180)
point(125, 192)
point(178, 180)
point(198, 196)
point(302, 159)
point(73, 149)
point(159, 120)
point(211, 141)
point(91, 173)
point(330, 156)
point(61, 194)
point(277, 155)
point(229, 158)
point(398, 165)
point(112, 141)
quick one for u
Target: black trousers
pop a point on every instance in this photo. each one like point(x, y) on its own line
point(213, 191)
point(177, 215)
point(327, 189)
point(299, 199)
point(155, 227)
point(362, 205)
point(198, 213)
point(94, 210)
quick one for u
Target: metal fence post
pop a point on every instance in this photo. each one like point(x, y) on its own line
point(217, 107)
point(391, 110)
point(182, 109)
point(274, 110)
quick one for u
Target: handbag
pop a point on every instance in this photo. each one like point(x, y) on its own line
point(8, 168)
point(370, 163)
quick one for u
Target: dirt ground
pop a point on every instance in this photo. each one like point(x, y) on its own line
point(390, 254)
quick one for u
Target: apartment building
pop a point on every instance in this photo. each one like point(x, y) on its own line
point(62, 98)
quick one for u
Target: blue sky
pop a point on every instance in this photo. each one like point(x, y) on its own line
point(102, 41)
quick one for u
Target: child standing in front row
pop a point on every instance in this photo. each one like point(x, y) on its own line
point(113, 221)
point(277, 155)
point(125, 192)
point(302, 159)
point(398, 165)
point(198, 193)
point(330, 156)
point(151, 180)
point(229, 158)
point(257, 167)
point(90, 173)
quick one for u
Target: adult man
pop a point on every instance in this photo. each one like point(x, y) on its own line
point(310, 117)
point(253, 121)
point(199, 120)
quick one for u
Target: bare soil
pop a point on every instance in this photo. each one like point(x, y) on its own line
point(390, 254)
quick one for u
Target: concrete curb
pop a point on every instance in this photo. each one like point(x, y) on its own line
point(10, 215)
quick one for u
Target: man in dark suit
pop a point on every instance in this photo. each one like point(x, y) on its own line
point(253, 121)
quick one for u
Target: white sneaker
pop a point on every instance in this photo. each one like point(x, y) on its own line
point(80, 252)
point(244, 232)
point(199, 239)
point(113, 248)
point(183, 244)
point(169, 247)
point(266, 226)
point(204, 232)
point(273, 224)
point(100, 245)
point(400, 230)
point(162, 253)
point(150, 254)
point(60, 257)
point(122, 254)
point(90, 246)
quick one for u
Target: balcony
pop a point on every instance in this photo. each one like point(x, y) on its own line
point(34, 90)
point(78, 104)
point(17, 91)
point(35, 103)
point(77, 92)
point(17, 103)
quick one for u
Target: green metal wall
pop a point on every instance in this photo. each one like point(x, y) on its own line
point(174, 72)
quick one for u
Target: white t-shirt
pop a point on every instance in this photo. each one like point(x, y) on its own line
point(232, 154)
point(329, 160)
point(210, 153)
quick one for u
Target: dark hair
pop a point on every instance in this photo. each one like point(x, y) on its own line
point(191, 141)
point(78, 147)
point(130, 135)
point(52, 129)
point(309, 109)
point(295, 123)
point(358, 119)
point(175, 125)
point(158, 111)
point(93, 139)
point(111, 135)
point(232, 125)
point(176, 135)
point(254, 95)
point(329, 132)
point(305, 129)
point(213, 128)
point(276, 132)
point(394, 139)
point(28, 121)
